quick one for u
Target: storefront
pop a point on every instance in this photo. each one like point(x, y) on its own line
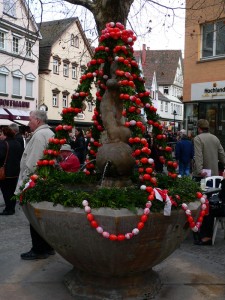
point(207, 102)
point(14, 111)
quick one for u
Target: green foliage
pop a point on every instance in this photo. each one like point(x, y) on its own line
point(70, 189)
point(185, 187)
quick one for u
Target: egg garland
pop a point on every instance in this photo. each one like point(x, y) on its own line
point(115, 44)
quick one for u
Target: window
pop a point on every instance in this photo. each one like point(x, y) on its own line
point(17, 75)
point(213, 39)
point(65, 101)
point(55, 66)
point(166, 107)
point(74, 71)
point(54, 100)
point(166, 90)
point(76, 41)
point(83, 69)
point(89, 106)
point(29, 84)
point(72, 40)
point(29, 49)
point(161, 106)
point(29, 88)
point(16, 86)
point(2, 40)
point(66, 69)
point(153, 94)
point(9, 7)
point(2, 83)
point(15, 45)
point(4, 72)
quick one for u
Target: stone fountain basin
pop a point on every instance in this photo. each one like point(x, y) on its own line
point(68, 231)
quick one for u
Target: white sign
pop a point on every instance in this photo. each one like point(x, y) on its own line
point(208, 90)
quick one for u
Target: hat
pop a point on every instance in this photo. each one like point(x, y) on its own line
point(203, 124)
point(66, 147)
point(183, 131)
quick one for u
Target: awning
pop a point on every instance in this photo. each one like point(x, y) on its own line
point(5, 122)
point(17, 114)
point(3, 114)
point(21, 122)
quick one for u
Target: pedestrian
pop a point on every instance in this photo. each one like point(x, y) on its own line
point(18, 136)
point(32, 153)
point(184, 153)
point(208, 152)
point(156, 153)
point(87, 140)
point(69, 161)
point(78, 145)
point(10, 152)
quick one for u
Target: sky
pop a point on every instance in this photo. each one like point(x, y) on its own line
point(157, 27)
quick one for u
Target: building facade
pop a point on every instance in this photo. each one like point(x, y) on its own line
point(19, 50)
point(163, 72)
point(64, 54)
point(204, 77)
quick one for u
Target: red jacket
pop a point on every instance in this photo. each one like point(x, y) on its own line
point(70, 164)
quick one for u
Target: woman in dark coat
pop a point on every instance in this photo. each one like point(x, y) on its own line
point(12, 168)
point(79, 145)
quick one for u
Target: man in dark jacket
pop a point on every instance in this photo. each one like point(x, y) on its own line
point(18, 136)
point(184, 153)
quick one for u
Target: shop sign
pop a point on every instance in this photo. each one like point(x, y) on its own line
point(14, 103)
point(208, 90)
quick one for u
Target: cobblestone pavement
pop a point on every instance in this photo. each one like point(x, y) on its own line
point(191, 272)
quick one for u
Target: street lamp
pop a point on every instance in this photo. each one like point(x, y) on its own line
point(174, 116)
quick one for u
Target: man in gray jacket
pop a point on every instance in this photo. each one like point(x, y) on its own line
point(208, 152)
point(32, 153)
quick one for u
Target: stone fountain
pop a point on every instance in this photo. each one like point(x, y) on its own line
point(105, 269)
point(102, 268)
